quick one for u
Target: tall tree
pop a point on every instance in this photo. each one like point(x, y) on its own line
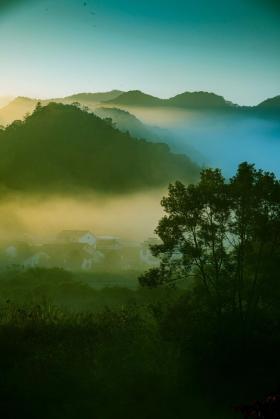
point(223, 237)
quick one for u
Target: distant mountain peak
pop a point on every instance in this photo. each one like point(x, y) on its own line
point(197, 100)
point(95, 97)
point(272, 103)
point(136, 98)
point(200, 99)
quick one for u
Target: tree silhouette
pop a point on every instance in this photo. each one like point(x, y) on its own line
point(223, 237)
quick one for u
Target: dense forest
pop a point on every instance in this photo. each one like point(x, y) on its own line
point(64, 148)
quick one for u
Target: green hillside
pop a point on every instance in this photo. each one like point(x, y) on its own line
point(62, 148)
point(199, 100)
point(136, 98)
point(125, 121)
point(93, 97)
point(189, 100)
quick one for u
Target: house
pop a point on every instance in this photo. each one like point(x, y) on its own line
point(77, 236)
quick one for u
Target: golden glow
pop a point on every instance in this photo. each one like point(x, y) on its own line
point(130, 217)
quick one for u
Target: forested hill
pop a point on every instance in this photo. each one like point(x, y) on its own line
point(187, 100)
point(62, 148)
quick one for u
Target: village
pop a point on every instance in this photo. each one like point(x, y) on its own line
point(78, 250)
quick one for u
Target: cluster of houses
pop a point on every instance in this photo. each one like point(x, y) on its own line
point(80, 251)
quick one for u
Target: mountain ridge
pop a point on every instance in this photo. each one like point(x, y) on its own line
point(192, 100)
point(204, 101)
point(64, 148)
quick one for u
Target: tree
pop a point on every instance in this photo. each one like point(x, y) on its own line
point(38, 107)
point(223, 237)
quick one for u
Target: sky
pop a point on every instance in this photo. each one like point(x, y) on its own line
point(53, 48)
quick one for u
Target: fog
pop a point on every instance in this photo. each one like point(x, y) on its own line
point(209, 139)
point(132, 217)
point(217, 140)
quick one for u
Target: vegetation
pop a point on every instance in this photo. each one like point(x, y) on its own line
point(60, 147)
point(206, 350)
point(126, 122)
point(223, 238)
point(62, 363)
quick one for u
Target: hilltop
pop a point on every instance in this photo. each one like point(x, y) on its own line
point(16, 109)
point(190, 100)
point(272, 104)
point(63, 148)
point(201, 101)
point(93, 97)
point(136, 98)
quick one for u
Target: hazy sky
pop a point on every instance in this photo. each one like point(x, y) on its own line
point(56, 47)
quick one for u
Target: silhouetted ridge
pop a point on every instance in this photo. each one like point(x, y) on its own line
point(273, 103)
point(199, 100)
point(137, 98)
point(94, 97)
point(192, 100)
point(60, 147)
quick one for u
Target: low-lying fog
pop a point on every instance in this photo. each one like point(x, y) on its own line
point(132, 217)
point(218, 140)
point(211, 140)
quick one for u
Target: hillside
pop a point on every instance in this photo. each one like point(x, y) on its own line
point(270, 105)
point(93, 97)
point(20, 106)
point(199, 100)
point(62, 148)
point(136, 98)
point(4, 100)
point(189, 100)
point(125, 121)
point(16, 109)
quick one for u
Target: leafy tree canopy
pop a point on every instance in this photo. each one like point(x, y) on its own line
point(224, 238)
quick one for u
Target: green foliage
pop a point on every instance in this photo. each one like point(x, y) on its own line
point(224, 238)
point(151, 352)
point(62, 148)
point(60, 365)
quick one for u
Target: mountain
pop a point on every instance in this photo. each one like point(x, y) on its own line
point(136, 98)
point(271, 106)
point(84, 98)
point(125, 121)
point(20, 106)
point(62, 148)
point(199, 100)
point(16, 109)
point(4, 100)
point(188, 100)
point(270, 103)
